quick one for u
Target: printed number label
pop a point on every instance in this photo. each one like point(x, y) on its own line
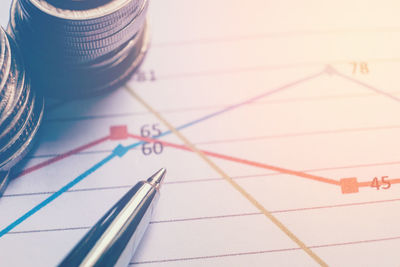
point(360, 67)
point(151, 131)
point(383, 183)
point(145, 76)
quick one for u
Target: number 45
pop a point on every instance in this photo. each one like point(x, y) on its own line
point(384, 184)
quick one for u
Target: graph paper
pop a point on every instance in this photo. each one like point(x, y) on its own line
point(278, 123)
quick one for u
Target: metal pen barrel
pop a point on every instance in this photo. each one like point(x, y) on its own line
point(114, 238)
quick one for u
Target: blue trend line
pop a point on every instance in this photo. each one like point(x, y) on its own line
point(120, 150)
point(56, 194)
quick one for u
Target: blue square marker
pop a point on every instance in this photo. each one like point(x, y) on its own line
point(120, 150)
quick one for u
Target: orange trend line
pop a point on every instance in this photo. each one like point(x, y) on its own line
point(364, 184)
point(242, 161)
point(368, 183)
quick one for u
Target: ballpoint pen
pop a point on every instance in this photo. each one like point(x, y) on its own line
point(114, 238)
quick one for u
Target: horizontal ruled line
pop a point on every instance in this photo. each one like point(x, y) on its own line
point(206, 218)
point(268, 35)
point(209, 179)
point(265, 251)
point(254, 138)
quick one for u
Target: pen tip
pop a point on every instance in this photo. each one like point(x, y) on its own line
point(157, 178)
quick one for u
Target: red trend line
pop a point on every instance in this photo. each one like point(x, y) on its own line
point(61, 156)
point(242, 161)
point(343, 183)
point(221, 156)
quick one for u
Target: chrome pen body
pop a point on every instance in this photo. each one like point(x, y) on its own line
point(115, 237)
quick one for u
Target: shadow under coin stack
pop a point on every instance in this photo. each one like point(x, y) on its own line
point(21, 111)
point(77, 48)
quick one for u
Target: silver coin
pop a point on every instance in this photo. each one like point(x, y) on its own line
point(105, 77)
point(93, 44)
point(4, 180)
point(12, 122)
point(134, 45)
point(20, 148)
point(111, 41)
point(26, 123)
point(22, 113)
point(80, 29)
point(16, 129)
point(12, 125)
point(8, 84)
point(78, 4)
point(84, 20)
point(135, 62)
point(2, 48)
point(5, 90)
point(103, 27)
point(6, 66)
point(15, 84)
point(69, 49)
point(83, 16)
point(83, 46)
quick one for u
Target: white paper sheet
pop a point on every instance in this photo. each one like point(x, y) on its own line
point(285, 98)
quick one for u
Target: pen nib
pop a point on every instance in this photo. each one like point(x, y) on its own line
point(157, 178)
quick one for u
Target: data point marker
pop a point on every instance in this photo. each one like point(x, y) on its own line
point(120, 151)
point(349, 185)
point(119, 132)
point(330, 70)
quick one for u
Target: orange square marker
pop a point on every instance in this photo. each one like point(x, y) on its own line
point(349, 185)
point(118, 132)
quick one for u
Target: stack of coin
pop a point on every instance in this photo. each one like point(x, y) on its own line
point(21, 111)
point(80, 47)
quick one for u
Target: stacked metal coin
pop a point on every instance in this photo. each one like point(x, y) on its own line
point(21, 111)
point(77, 48)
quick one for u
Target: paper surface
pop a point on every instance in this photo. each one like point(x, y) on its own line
point(295, 108)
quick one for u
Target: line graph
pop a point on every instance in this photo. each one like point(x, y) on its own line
point(270, 129)
point(121, 133)
point(118, 133)
point(346, 188)
point(208, 179)
point(348, 185)
point(120, 151)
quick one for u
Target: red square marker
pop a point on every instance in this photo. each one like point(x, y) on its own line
point(349, 185)
point(118, 132)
